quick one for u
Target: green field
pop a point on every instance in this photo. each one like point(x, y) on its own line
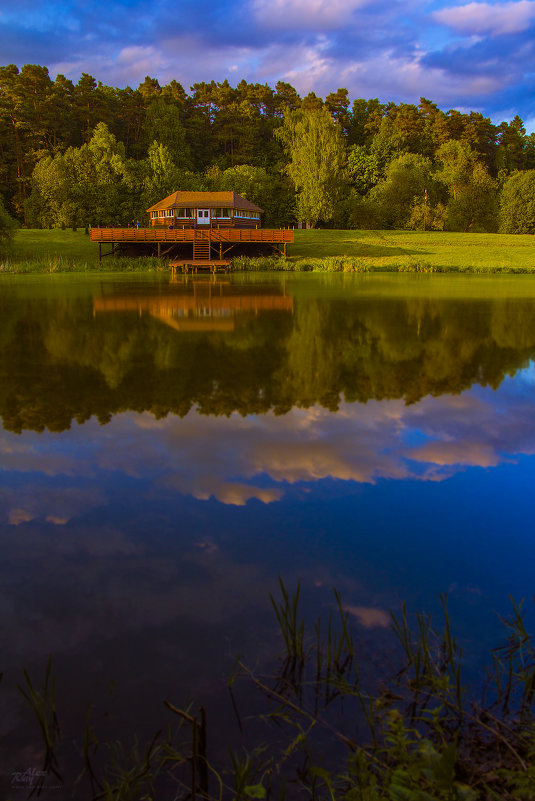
point(55, 244)
point(391, 249)
point(61, 251)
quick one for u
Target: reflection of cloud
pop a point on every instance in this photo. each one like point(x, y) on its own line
point(237, 459)
point(56, 505)
point(92, 584)
point(369, 616)
point(18, 516)
point(457, 453)
point(239, 494)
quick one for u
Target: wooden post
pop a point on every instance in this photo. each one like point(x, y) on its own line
point(159, 246)
point(100, 252)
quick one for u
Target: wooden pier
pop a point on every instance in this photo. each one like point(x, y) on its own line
point(208, 247)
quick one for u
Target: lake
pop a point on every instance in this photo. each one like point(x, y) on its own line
point(170, 448)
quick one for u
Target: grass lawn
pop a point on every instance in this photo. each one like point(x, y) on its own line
point(440, 249)
point(69, 245)
point(56, 250)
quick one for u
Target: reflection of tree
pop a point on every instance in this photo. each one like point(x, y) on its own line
point(59, 362)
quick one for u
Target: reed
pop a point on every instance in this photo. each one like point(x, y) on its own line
point(420, 736)
point(42, 702)
point(291, 626)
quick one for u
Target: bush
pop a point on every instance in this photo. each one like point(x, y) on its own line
point(517, 204)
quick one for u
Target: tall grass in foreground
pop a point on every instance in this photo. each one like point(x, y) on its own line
point(419, 737)
point(52, 263)
point(356, 264)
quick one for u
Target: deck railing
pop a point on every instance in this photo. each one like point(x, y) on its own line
point(190, 234)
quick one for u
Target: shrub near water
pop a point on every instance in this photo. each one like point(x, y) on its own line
point(51, 263)
point(355, 264)
point(330, 264)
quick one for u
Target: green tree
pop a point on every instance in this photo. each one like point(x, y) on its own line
point(337, 103)
point(512, 144)
point(270, 191)
point(388, 143)
point(161, 174)
point(29, 117)
point(517, 204)
point(409, 129)
point(366, 116)
point(364, 169)
point(163, 124)
point(90, 184)
point(317, 167)
point(286, 98)
point(472, 204)
point(149, 89)
point(408, 184)
point(128, 123)
point(91, 105)
point(7, 225)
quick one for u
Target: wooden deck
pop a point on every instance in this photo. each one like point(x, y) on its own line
point(194, 264)
point(191, 235)
point(208, 246)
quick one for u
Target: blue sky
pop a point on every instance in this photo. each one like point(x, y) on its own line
point(470, 56)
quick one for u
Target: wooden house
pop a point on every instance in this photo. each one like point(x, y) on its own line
point(205, 210)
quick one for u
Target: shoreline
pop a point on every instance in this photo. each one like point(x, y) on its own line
point(319, 250)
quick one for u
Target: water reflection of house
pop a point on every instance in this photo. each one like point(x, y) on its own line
point(199, 305)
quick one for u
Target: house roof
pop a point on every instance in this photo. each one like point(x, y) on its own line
point(206, 200)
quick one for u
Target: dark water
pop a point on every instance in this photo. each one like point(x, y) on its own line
point(168, 450)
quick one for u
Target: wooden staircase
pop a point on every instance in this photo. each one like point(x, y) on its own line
point(201, 246)
point(202, 256)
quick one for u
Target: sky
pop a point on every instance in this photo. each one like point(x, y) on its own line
point(476, 56)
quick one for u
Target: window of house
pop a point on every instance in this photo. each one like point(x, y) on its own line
point(221, 214)
point(184, 213)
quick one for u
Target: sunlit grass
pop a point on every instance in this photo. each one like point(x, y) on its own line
point(69, 246)
point(383, 251)
point(394, 249)
point(68, 251)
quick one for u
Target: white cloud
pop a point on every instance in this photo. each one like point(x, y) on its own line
point(128, 66)
point(306, 14)
point(393, 76)
point(385, 74)
point(484, 18)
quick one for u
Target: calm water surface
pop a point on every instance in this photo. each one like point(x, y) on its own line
point(169, 449)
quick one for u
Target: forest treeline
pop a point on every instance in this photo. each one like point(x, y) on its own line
point(88, 154)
